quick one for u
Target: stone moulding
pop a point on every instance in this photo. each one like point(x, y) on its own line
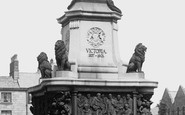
point(100, 69)
point(80, 13)
point(74, 24)
point(94, 83)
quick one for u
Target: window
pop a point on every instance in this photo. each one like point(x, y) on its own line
point(168, 111)
point(6, 112)
point(6, 97)
point(178, 111)
point(183, 111)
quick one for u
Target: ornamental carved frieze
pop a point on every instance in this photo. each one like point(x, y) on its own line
point(60, 104)
point(85, 103)
point(111, 104)
point(143, 105)
point(104, 104)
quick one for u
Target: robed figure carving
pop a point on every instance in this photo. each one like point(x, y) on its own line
point(137, 59)
point(61, 56)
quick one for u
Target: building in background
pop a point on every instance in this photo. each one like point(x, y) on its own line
point(14, 99)
point(172, 102)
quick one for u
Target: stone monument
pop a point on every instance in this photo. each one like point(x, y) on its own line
point(89, 78)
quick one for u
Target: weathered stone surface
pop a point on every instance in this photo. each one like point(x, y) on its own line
point(18, 104)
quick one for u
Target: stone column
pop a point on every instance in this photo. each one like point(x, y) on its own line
point(135, 103)
point(74, 103)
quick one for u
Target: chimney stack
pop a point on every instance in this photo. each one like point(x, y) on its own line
point(14, 67)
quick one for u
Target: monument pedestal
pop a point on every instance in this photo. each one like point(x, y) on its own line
point(95, 95)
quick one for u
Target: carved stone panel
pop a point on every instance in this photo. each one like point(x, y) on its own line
point(60, 104)
point(104, 104)
point(91, 103)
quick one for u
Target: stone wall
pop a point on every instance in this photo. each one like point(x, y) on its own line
point(17, 105)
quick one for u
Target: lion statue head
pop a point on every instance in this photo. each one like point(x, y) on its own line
point(42, 57)
point(137, 59)
point(61, 56)
point(43, 65)
point(140, 50)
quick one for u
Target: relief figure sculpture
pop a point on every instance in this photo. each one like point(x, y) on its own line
point(86, 109)
point(119, 105)
point(97, 105)
point(104, 104)
point(111, 105)
point(80, 103)
point(129, 101)
point(127, 109)
point(60, 104)
point(145, 107)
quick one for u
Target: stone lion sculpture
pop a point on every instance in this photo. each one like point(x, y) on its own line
point(137, 59)
point(61, 56)
point(44, 65)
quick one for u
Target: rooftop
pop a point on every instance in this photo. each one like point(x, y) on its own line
point(8, 82)
point(172, 95)
point(27, 80)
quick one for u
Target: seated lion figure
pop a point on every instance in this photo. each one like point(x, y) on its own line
point(61, 56)
point(44, 65)
point(137, 59)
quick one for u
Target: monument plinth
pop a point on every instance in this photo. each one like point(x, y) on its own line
point(89, 30)
point(89, 78)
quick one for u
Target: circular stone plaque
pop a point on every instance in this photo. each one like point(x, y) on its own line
point(95, 37)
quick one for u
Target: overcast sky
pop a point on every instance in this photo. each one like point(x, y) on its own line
point(28, 27)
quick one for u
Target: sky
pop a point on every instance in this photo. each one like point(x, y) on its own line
point(28, 27)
